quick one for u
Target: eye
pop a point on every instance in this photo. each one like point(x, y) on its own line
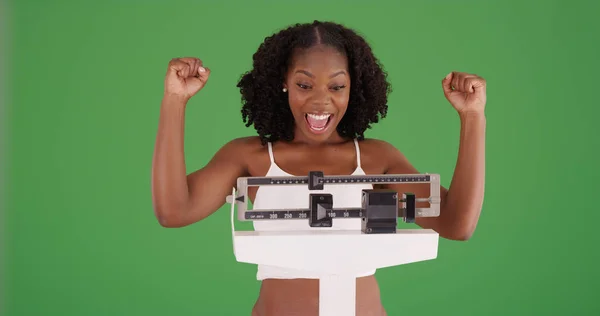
point(302, 86)
point(338, 88)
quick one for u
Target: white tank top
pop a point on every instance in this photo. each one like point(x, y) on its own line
point(296, 196)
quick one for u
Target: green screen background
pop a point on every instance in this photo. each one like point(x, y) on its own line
point(86, 82)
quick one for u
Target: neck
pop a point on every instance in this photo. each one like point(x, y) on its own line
point(301, 138)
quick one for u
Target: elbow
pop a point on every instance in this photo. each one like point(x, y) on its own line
point(169, 217)
point(456, 233)
point(169, 222)
point(460, 235)
point(169, 213)
point(460, 227)
point(460, 232)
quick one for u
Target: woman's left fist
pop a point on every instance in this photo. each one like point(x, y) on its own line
point(466, 92)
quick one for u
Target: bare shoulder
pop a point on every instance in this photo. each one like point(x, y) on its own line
point(380, 149)
point(245, 142)
point(378, 145)
point(242, 146)
point(386, 155)
point(244, 152)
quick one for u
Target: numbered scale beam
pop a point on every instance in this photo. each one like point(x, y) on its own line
point(380, 208)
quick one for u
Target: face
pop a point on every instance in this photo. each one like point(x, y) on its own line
point(318, 87)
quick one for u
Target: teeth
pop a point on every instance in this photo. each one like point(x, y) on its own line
point(319, 117)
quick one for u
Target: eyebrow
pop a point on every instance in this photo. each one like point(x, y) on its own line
point(341, 72)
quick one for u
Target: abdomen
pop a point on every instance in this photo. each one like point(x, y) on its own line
point(301, 297)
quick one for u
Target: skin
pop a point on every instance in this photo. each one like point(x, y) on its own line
point(317, 81)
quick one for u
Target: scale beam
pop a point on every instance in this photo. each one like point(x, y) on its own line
point(322, 211)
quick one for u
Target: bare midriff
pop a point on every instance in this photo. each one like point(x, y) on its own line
point(300, 297)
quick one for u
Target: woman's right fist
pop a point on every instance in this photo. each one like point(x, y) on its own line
point(185, 77)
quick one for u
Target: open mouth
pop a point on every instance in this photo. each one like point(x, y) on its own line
point(318, 123)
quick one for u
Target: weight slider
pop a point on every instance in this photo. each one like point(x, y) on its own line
point(409, 206)
point(380, 211)
point(320, 206)
point(313, 180)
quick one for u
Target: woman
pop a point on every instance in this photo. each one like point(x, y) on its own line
point(312, 92)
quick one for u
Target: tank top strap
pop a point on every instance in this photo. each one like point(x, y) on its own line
point(357, 153)
point(271, 152)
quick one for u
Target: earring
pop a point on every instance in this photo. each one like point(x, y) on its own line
point(284, 89)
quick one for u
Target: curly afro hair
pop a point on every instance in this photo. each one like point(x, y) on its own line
point(265, 107)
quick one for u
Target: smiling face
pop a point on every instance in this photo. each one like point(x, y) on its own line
point(318, 87)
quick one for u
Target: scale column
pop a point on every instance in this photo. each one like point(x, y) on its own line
point(337, 295)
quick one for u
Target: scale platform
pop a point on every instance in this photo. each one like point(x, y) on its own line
point(337, 256)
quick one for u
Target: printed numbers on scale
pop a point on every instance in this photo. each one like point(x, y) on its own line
point(273, 216)
point(287, 215)
point(346, 214)
point(302, 215)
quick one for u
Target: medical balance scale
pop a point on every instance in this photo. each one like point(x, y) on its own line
point(338, 255)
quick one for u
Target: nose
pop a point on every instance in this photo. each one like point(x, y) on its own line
point(321, 97)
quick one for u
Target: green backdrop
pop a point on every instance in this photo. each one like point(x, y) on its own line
point(86, 82)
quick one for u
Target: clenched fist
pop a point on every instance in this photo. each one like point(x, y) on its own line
point(466, 92)
point(185, 77)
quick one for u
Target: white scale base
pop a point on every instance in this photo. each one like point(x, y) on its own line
point(339, 255)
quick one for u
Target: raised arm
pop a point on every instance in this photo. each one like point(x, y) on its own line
point(462, 202)
point(180, 199)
